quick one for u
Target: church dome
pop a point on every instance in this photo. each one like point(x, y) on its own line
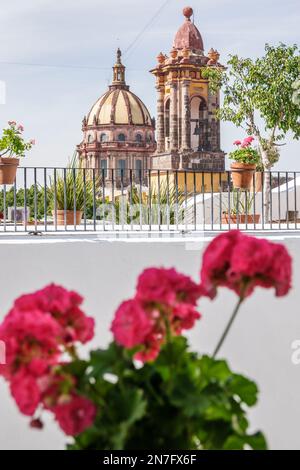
point(119, 106)
point(188, 35)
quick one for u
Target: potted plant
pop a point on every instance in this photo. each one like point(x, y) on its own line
point(147, 390)
point(71, 192)
point(245, 159)
point(257, 182)
point(241, 210)
point(12, 146)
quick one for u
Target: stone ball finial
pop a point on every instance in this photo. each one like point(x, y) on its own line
point(188, 12)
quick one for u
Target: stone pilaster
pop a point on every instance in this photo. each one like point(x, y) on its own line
point(160, 120)
point(186, 117)
point(213, 123)
point(173, 117)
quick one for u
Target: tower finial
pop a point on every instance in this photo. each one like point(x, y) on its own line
point(119, 55)
point(119, 71)
point(188, 12)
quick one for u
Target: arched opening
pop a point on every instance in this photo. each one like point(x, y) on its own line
point(139, 138)
point(138, 169)
point(103, 168)
point(103, 137)
point(90, 139)
point(167, 124)
point(199, 127)
point(121, 138)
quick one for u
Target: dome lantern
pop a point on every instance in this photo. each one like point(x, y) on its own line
point(119, 72)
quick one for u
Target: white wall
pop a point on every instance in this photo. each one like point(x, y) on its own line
point(105, 273)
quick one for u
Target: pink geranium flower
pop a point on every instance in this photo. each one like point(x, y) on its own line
point(237, 142)
point(164, 304)
point(241, 263)
point(131, 324)
point(184, 317)
point(166, 286)
point(63, 306)
point(76, 415)
point(29, 336)
point(245, 145)
point(26, 393)
point(249, 139)
point(20, 128)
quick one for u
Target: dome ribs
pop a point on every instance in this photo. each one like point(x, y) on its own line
point(128, 107)
point(113, 106)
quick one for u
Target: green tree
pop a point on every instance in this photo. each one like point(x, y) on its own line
point(296, 92)
point(258, 96)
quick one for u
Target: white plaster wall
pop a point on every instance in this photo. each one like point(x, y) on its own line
point(105, 272)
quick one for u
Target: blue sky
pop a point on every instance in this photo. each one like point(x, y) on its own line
point(51, 100)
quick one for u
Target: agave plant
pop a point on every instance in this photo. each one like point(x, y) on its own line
point(161, 205)
point(71, 189)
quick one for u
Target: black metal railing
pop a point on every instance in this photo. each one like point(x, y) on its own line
point(71, 199)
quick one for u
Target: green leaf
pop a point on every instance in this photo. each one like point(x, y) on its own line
point(188, 397)
point(105, 360)
point(243, 388)
point(215, 369)
point(76, 367)
point(255, 441)
point(130, 406)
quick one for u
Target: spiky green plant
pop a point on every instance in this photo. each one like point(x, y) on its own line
point(71, 189)
point(163, 205)
point(241, 202)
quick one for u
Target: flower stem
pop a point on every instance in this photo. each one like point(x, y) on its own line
point(229, 325)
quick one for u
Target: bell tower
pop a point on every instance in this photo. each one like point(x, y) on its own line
point(188, 133)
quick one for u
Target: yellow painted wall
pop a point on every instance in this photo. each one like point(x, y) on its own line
point(198, 182)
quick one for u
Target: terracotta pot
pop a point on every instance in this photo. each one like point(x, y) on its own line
point(242, 218)
point(242, 175)
point(59, 217)
point(8, 170)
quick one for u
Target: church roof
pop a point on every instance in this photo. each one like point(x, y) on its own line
point(119, 105)
point(188, 35)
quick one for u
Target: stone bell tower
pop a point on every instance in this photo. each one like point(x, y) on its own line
point(188, 133)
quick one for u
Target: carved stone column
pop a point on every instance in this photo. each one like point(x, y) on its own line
point(160, 120)
point(213, 124)
point(173, 117)
point(186, 117)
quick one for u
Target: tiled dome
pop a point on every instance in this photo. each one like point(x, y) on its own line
point(119, 106)
point(188, 36)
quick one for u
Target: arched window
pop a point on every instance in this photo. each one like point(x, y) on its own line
point(199, 128)
point(138, 168)
point(103, 138)
point(103, 166)
point(121, 168)
point(149, 138)
point(167, 118)
point(138, 138)
point(90, 138)
point(121, 138)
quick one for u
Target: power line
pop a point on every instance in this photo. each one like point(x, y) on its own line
point(84, 67)
point(30, 64)
point(137, 38)
point(91, 67)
